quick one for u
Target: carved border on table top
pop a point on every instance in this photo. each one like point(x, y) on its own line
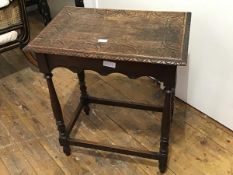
point(121, 57)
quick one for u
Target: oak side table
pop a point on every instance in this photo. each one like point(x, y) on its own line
point(133, 43)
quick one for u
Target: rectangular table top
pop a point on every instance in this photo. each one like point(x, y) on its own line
point(126, 35)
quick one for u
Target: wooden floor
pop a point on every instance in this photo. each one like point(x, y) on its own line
point(28, 137)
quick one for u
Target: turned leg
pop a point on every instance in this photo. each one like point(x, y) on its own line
point(45, 11)
point(83, 89)
point(165, 130)
point(58, 114)
point(172, 104)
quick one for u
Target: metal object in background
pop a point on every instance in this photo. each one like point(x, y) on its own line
point(43, 8)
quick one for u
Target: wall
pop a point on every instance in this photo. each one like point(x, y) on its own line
point(57, 5)
point(207, 82)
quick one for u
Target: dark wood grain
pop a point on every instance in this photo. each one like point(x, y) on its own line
point(198, 143)
point(141, 43)
point(139, 36)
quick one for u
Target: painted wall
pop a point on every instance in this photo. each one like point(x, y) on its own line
point(57, 5)
point(207, 82)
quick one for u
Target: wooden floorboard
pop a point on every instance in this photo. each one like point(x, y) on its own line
point(29, 138)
